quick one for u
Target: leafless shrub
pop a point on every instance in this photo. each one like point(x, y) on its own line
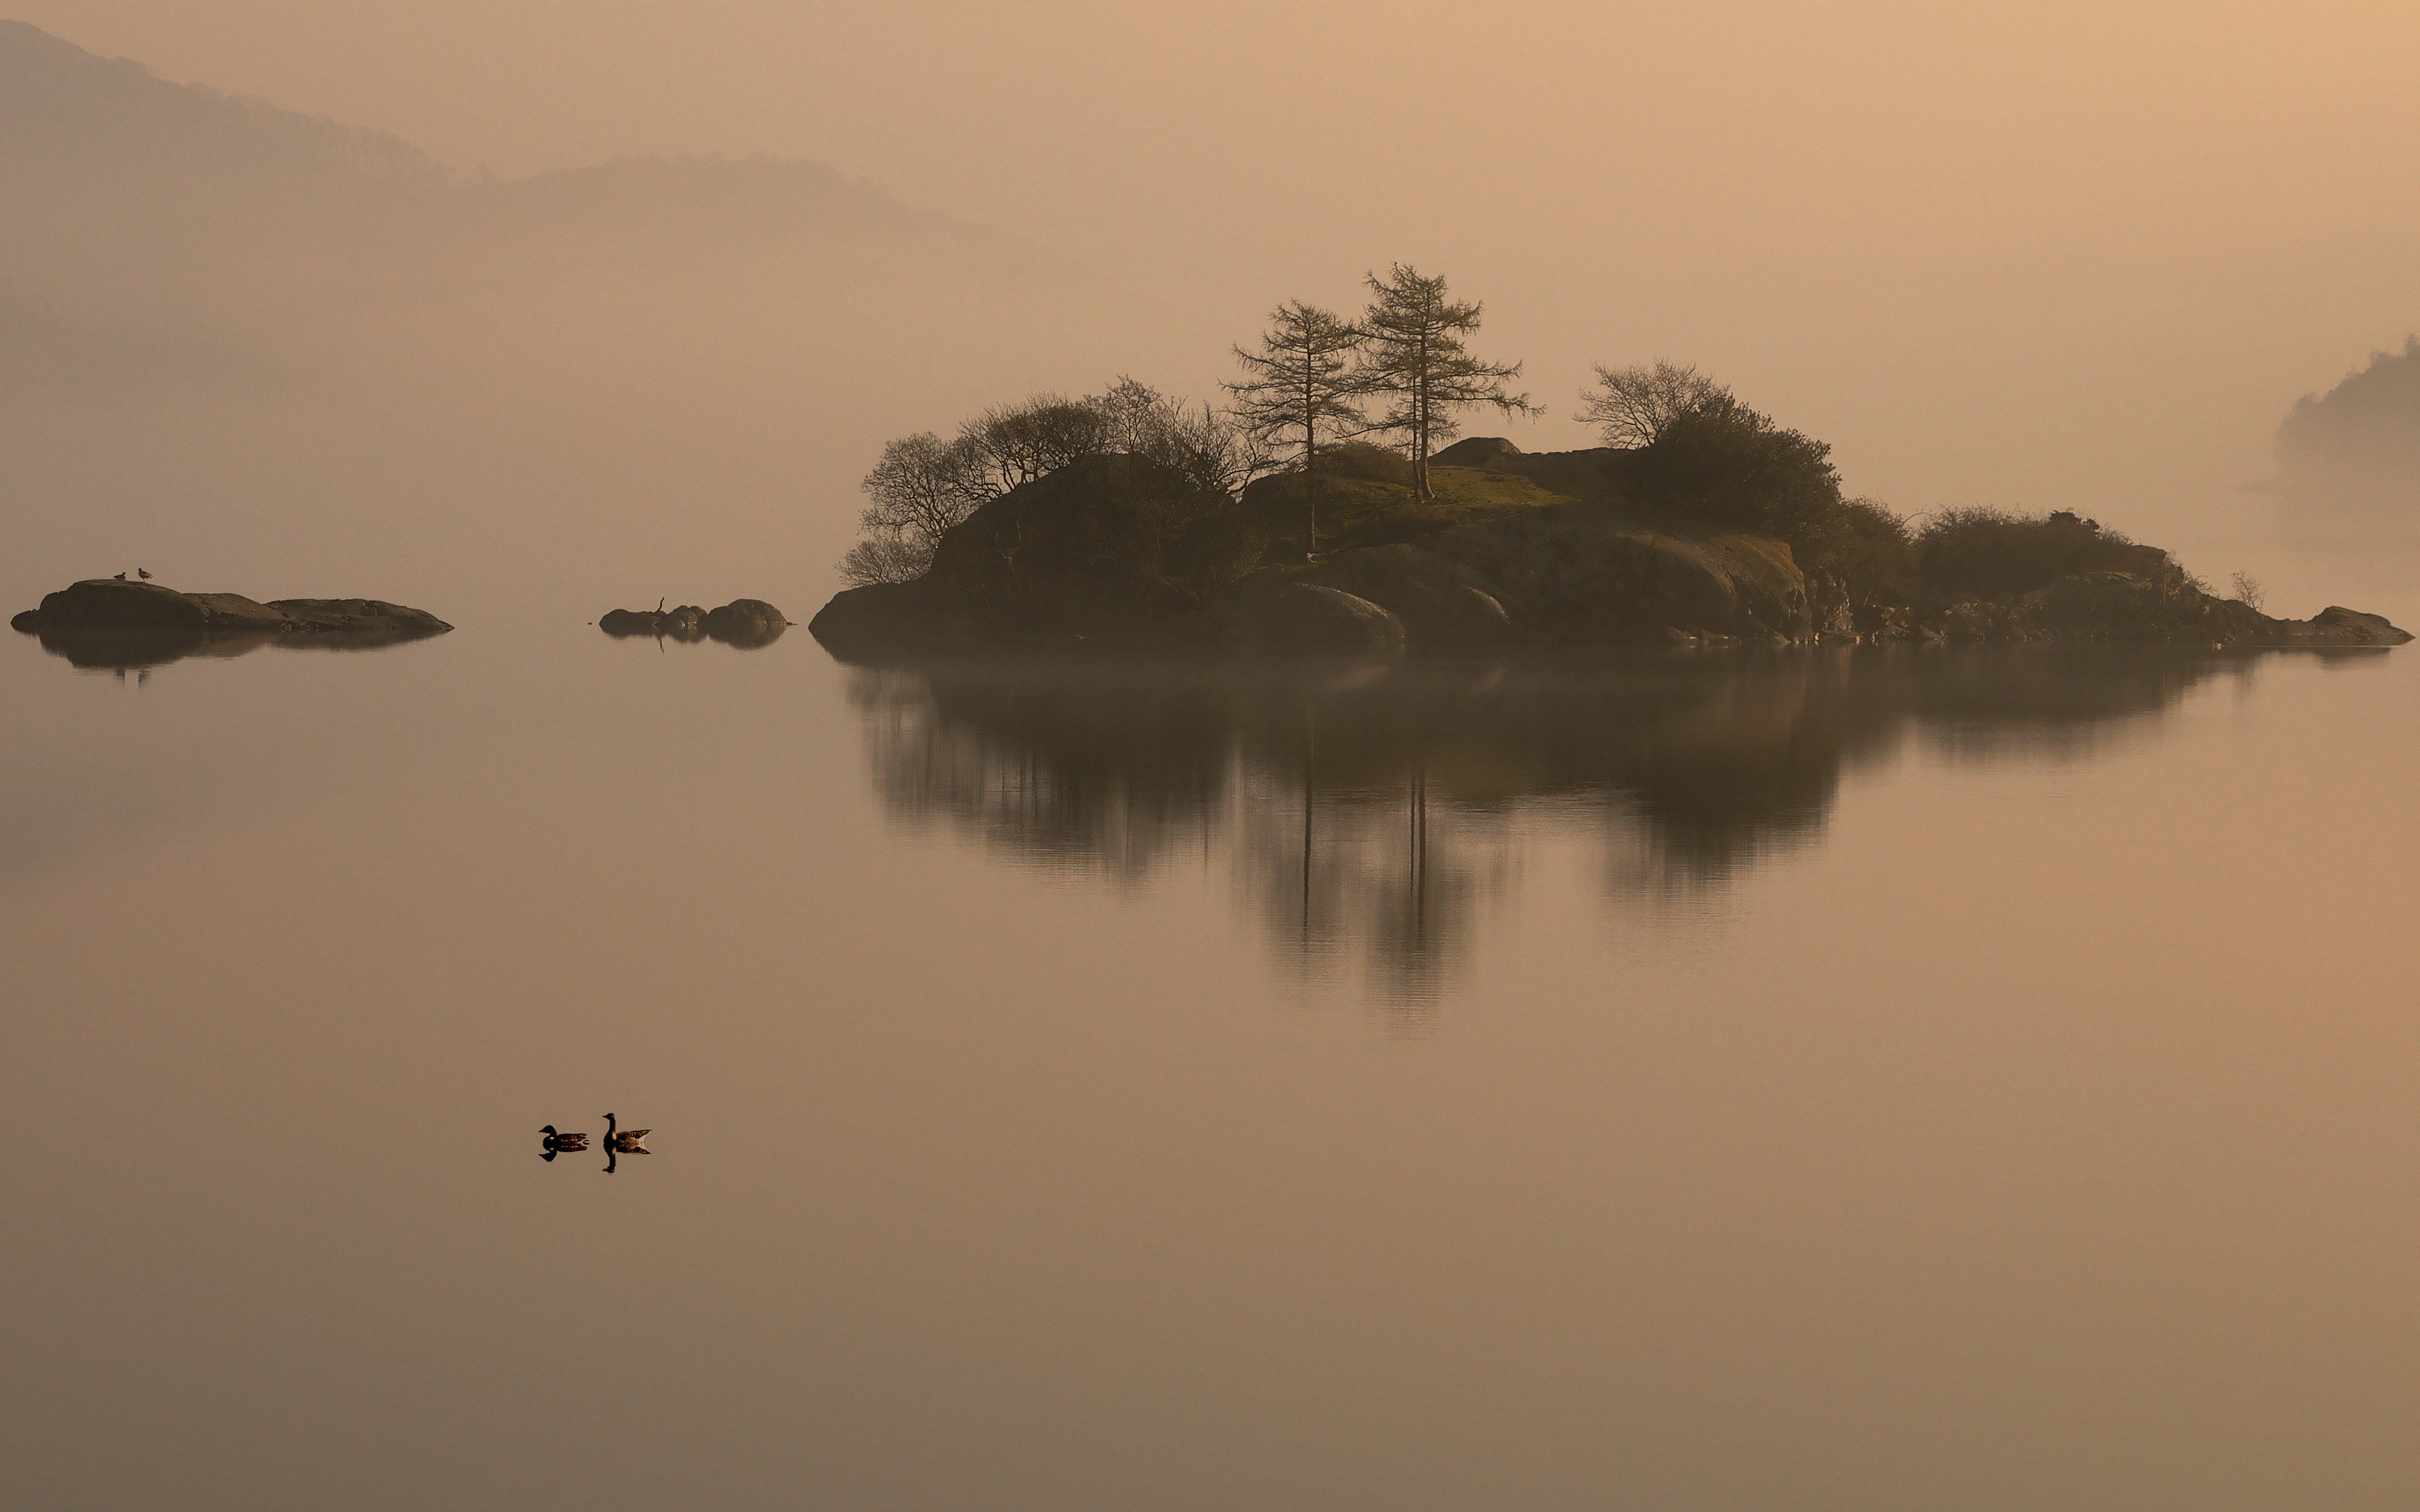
point(1631, 406)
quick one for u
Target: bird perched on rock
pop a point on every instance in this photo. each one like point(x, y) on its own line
point(121, 577)
point(143, 573)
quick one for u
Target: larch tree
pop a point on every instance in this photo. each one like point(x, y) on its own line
point(1299, 394)
point(1413, 352)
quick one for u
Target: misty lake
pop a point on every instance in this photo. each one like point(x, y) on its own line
point(1902, 1079)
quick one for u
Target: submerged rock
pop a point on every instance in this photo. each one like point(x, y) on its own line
point(743, 622)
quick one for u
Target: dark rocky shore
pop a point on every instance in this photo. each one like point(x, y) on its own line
point(1116, 551)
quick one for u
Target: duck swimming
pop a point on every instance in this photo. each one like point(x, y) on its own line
point(622, 1142)
point(556, 1144)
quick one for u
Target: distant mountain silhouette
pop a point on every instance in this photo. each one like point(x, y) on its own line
point(156, 237)
point(63, 109)
point(113, 177)
point(2370, 420)
point(2349, 460)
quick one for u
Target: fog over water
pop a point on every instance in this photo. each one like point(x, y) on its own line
point(1852, 1080)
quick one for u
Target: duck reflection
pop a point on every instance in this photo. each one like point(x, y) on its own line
point(618, 1143)
point(1376, 812)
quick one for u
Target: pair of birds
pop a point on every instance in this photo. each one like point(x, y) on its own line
point(139, 573)
point(617, 1141)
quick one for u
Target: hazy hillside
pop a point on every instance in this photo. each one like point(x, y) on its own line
point(64, 109)
point(2370, 421)
point(134, 199)
point(2349, 460)
point(275, 352)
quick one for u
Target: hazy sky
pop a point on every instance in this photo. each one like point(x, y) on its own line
point(2034, 255)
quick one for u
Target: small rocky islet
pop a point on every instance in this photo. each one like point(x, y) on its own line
point(745, 623)
point(1518, 551)
point(112, 622)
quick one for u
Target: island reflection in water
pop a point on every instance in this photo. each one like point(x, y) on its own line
point(1375, 811)
point(125, 651)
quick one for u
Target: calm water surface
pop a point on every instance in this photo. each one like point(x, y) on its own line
point(1874, 1081)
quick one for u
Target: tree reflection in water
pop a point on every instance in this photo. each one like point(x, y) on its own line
point(1373, 811)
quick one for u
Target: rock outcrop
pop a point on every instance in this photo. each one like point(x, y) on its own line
point(1108, 549)
point(107, 605)
point(745, 623)
point(1104, 544)
point(106, 621)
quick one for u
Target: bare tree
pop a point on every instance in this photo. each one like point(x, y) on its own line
point(1631, 405)
point(1300, 393)
point(2249, 592)
point(1414, 352)
point(921, 487)
point(886, 557)
point(924, 486)
point(1035, 438)
point(1213, 450)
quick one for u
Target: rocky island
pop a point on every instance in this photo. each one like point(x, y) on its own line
point(1127, 518)
point(1516, 550)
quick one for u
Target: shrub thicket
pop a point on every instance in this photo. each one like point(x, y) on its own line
point(1991, 553)
point(1722, 463)
point(1862, 546)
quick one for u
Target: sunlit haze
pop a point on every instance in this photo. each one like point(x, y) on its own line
point(2041, 256)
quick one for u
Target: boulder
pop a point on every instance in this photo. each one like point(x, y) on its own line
point(879, 620)
point(746, 621)
point(1305, 619)
point(1579, 574)
point(2336, 625)
point(686, 622)
point(1106, 545)
point(1108, 549)
point(1442, 604)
